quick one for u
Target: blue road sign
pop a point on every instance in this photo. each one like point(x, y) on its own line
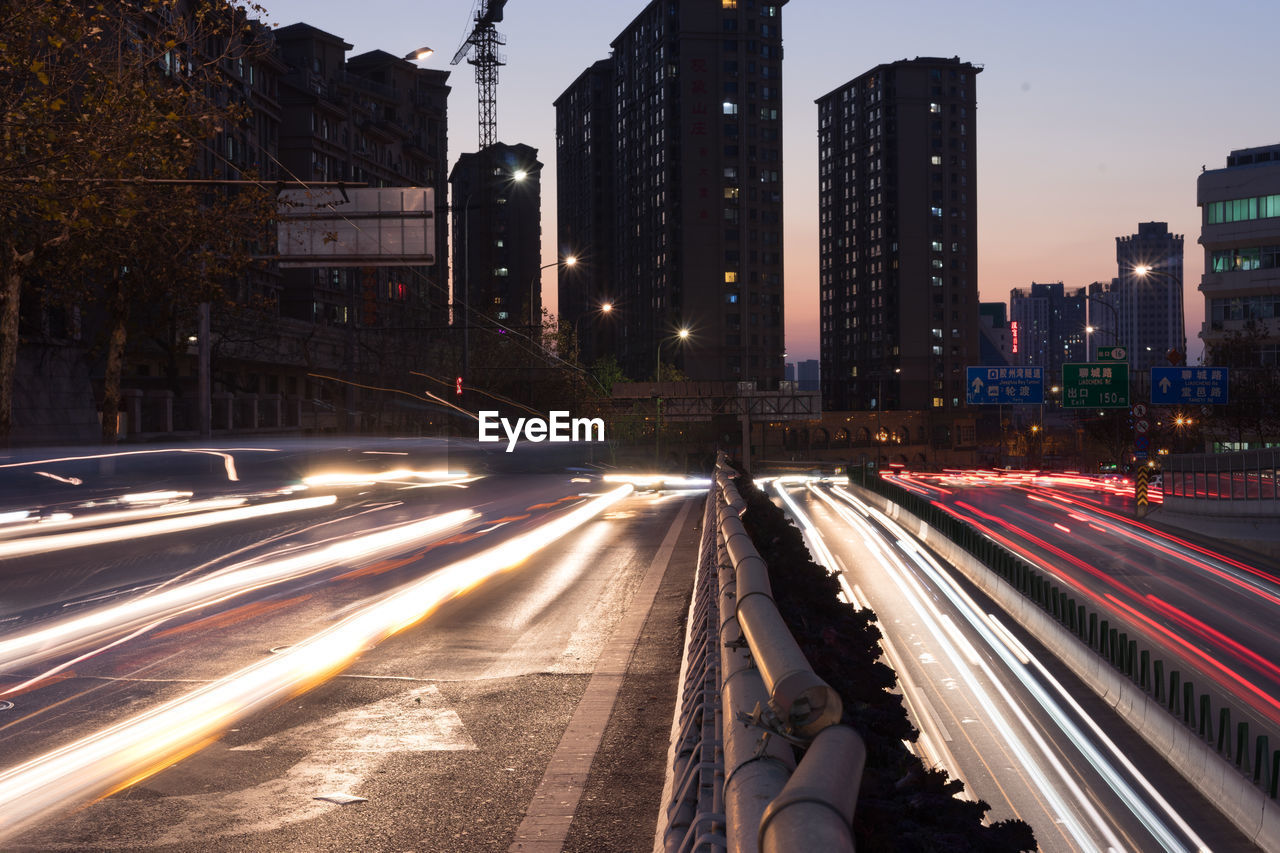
point(1200, 386)
point(1142, 442)
point(992, 386)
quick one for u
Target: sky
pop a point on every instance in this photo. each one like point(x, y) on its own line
point(1092, 116)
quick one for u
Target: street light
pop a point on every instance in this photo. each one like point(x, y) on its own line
point(567, 260)
point(604, 309)
point(682, 335)
point(419, 54)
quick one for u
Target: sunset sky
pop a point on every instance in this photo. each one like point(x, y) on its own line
point(1092, 116)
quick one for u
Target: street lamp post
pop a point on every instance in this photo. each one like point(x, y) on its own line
point(682, 335)
point(568, 261)
point(604, 309)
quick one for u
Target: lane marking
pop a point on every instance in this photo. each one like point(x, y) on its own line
point(546, 823)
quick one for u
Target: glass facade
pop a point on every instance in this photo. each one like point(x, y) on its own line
point(1242, 209)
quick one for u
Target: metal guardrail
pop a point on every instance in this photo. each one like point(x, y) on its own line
point(748, 697)
point(1247, 475)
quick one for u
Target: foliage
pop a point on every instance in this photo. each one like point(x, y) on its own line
point(100, 104)
point(1253, 417)
point(607, 372)
point(902, 805)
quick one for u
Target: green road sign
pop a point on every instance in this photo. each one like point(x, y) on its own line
point(1113, 354)
point(1098, 385)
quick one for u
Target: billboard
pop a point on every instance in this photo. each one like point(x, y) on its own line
point(341, 227)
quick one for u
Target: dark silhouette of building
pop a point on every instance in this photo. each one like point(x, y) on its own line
point(585, 196)
point(497, 236)
point(898, 246)
point(808, 373)
point(1103, 330)
point(693, 208)
point(1051, 326)
point(378, 120)
point(1150, 295)
point(996, 341)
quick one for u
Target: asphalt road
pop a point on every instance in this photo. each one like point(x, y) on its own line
point(1208, 611)
point(464, 682)
point(998, 711)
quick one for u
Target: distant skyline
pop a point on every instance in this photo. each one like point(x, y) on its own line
point(1091, 118)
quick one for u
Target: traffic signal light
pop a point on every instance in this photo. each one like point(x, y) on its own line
point(457, 386)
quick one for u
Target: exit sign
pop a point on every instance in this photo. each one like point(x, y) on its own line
point(1100, 385)
point(1113, 354)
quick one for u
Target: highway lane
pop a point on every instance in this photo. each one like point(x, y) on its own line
point(317, 619)
point(1210, 614)
point(996, 710)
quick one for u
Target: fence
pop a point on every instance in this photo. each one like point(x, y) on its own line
point(747, 698)
point(1249, 475)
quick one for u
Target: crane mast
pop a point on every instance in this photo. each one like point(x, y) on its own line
point(482, 43)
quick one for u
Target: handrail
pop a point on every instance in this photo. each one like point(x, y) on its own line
point(770, 701)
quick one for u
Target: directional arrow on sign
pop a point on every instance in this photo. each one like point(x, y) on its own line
point(977, 386)
point(1164, 384)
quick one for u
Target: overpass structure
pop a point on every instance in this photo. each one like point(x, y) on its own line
point(705, 401)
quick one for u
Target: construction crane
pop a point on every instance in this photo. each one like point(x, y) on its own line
point(482, 43)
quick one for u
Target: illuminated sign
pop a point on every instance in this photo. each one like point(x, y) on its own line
point(1013, 333)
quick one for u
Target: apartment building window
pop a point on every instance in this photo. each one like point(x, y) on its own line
point(730, 108)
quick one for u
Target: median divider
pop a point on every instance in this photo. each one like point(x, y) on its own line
point(1236, 773)
point(755, 797)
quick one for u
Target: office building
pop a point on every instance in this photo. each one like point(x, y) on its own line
point(898, 247)
point(1240, 232)
point(1050, 322)
point(693, 207)
point(1150, 296)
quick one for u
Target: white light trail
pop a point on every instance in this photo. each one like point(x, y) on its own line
point(125, 532)
point(106, 623)
point(965, 605)
point(133, 749)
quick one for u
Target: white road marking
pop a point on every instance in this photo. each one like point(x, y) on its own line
point(342, 751)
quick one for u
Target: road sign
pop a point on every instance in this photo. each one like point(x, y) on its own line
point(1141, 426)
point(1098, 385)
point(1113, 354)
point(989, 386)
point(1199, 386)
point(1139, 410)
point(1142, 442)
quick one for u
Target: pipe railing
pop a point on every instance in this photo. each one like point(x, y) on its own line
point(770, 701)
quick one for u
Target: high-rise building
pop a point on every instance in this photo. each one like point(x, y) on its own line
point(996, 341)
point(1150, 295)
point(808, 374)
point(695, 208)
point(497, 236)
point(1240, 232)
point(585, 207)
point(1051, 324)
point(898, 244)
point(375, 120)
